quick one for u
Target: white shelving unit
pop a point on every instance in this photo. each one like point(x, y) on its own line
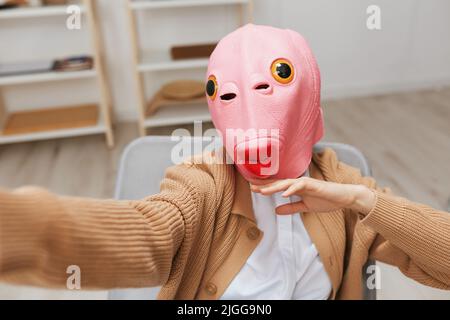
point(104, 118)
point(151, 62)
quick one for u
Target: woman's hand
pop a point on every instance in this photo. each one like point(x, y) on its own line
point(319, 196)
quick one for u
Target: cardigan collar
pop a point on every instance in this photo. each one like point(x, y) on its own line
point(242, 204)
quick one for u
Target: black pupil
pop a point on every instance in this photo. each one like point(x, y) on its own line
point(283, 70)
point(210, 88)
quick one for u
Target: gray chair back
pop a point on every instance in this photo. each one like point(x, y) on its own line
point(142, 168)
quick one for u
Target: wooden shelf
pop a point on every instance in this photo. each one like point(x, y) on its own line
point(159, 61)
point(143, 5)
point(178, 114)
point(50, 119)
point(30, 12)
point(44, 124)
point(47, 76)
point(47, 135)
point(52, 123)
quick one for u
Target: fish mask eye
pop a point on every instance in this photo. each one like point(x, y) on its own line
point(211, 87)
point(282, 71)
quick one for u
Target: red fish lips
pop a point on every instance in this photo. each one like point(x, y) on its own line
point(258, 156)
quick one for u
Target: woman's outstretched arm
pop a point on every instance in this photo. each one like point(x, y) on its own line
point(114, 243)
point(412, 236)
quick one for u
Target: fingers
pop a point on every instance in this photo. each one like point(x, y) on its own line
point(289, 186)
point(295, 188)
point(271, 188)
point(291, 208)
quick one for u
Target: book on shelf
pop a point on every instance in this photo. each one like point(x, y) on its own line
point(76, 63)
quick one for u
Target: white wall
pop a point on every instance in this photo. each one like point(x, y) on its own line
point(412, 50)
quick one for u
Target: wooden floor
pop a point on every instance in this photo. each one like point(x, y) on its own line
point(405, 136)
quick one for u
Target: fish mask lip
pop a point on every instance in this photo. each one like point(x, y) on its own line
point(255, 156)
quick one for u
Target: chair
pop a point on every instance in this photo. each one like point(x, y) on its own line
point(142, 168)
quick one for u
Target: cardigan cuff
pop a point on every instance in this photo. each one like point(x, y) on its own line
point(387, 216)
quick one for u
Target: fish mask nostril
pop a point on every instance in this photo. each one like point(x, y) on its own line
point(228, 96)
point(262, 86)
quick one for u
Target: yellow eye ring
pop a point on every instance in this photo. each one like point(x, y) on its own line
point(211, 87)
point(282, 71)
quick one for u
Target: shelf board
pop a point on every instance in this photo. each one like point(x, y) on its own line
point(178, 114)
point(30, 12)
point(57, 134)
point(161, 61)
point(47, 76)
point(54, 123)
point(142, 5)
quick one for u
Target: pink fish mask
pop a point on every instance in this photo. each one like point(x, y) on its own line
point(263, 92)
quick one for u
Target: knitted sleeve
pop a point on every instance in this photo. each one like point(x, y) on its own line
point(415, 238)
point(48, 240)
point(412, 236)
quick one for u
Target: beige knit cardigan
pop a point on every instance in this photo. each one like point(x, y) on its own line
point(195, 235)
